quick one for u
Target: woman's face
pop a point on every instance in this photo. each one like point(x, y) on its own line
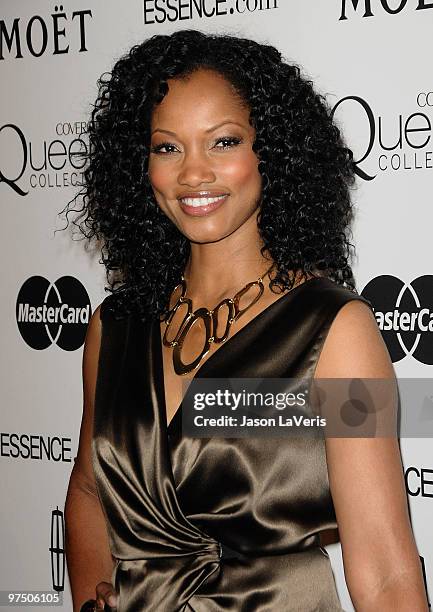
point(202, 168)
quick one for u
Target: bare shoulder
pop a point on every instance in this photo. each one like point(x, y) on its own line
point(354, 347)
point(365, 473)
point(93, 333)
point(83, 469)
point(92, 345)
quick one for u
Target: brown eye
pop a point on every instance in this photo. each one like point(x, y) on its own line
point(233, 140)
point(157, 148)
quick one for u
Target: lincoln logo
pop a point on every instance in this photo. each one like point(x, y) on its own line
point(57, 549)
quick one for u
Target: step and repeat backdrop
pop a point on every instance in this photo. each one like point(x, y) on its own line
point(371, 58)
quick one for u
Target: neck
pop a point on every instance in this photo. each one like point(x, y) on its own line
point(219, 269)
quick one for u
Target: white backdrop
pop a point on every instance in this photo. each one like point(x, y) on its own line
point(370, 58)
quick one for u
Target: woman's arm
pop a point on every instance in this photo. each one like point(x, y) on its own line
point(381, 562)
point(88, 553)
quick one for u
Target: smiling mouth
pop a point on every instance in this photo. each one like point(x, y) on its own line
point(198, 202)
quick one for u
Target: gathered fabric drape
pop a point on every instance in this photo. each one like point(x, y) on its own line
point(214, 524)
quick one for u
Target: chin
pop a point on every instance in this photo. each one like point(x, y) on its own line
point(206, 231)
point(201, 237)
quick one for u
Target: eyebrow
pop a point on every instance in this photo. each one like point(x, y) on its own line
point(212, 129)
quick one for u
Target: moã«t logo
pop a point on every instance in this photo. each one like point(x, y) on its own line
point(53, 313)
point(368, 8)
point(56, 34)
point(404, 313)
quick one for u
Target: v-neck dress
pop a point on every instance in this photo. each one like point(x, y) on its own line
point(214, 524)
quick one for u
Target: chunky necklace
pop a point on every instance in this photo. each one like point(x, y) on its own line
point(210, 319)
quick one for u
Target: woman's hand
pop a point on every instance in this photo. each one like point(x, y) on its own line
point(105, 594)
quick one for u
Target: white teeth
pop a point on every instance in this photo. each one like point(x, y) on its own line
point(201, 201)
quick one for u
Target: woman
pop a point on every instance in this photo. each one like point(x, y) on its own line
point(214, 164)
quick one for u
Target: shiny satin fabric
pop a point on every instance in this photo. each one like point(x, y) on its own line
point(175, 505)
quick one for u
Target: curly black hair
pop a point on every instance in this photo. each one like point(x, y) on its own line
point(307, 171)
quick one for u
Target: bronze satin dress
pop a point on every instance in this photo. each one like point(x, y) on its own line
point(212, 524)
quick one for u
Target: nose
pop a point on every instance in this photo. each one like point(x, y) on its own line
point(196, 169)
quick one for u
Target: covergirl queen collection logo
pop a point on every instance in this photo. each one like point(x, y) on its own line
point(392, 141)
point(42, 163)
